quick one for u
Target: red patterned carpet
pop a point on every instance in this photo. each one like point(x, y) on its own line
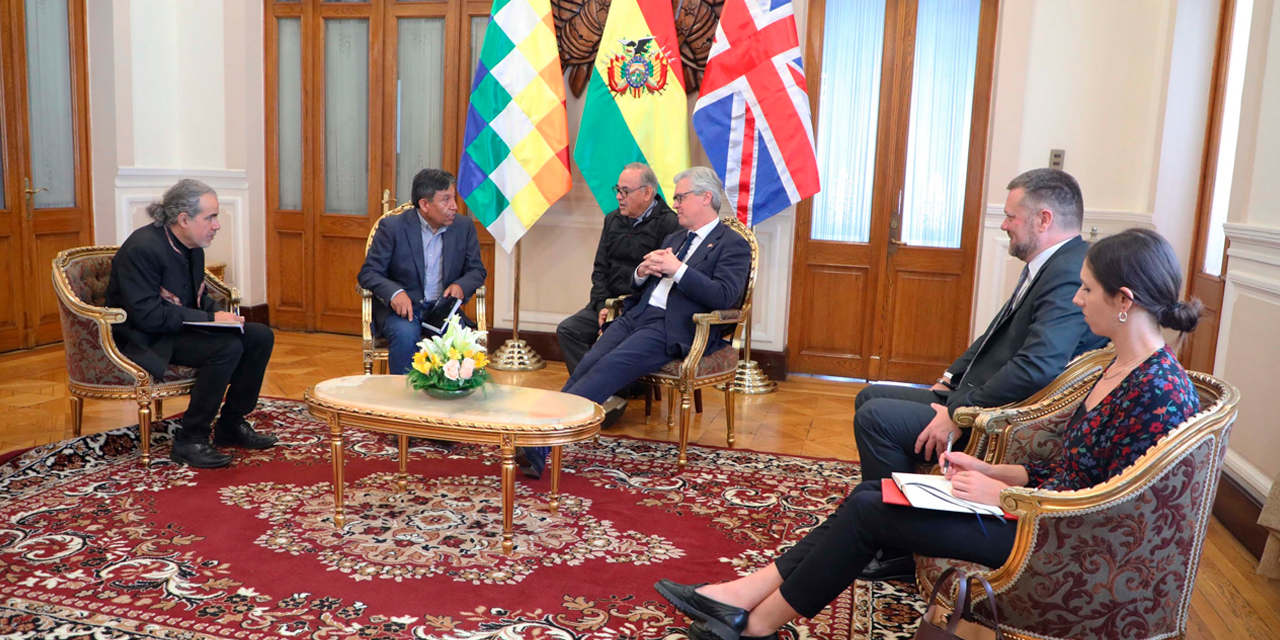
point(92, 545)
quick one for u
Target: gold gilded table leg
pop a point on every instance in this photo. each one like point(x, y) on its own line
point(335, 441)
point(555, 480)
point(402, 481)
point(508, 491)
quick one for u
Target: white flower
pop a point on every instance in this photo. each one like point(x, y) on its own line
point(451, 370)
point(468, 368)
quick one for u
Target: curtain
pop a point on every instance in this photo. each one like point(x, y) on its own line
point(941, 111)
point(49, 103)
point(346, 116)
point(289, 112)
point(420, 100)
point(848, 114)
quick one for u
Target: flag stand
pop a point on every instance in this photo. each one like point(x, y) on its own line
point(750, 379)
point(515, 354)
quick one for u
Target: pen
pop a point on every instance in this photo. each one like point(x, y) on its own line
point(946, 464)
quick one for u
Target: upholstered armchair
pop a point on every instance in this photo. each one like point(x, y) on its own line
point(1117, 560)
point(95, 366)
point(689, 375)
point(375, 348)
point(992, 427)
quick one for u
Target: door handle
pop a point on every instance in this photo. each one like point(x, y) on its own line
point(26, 183)
point(896, 242)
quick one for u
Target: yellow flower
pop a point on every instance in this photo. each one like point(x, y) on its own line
point(420, 363)
point(453, 354)
point(435, 360)
point(469, 353)
point(480, 360)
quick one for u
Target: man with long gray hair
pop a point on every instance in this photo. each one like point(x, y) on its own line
point(700, 268)
point(157, 277)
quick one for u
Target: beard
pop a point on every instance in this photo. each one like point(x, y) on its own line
point(1022, 250)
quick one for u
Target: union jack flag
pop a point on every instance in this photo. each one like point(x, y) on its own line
point(752, 114)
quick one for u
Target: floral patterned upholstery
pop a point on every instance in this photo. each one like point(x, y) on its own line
point(1118, 560)
point(88, 278)
point(1038, 439)
point(722, 361)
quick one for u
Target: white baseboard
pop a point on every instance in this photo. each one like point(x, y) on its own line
point(1248, 476)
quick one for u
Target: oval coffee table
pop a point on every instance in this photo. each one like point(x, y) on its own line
point(498, 414)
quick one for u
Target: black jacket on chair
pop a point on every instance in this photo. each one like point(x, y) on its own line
point(622, 248)
point(715, 280)
point(148, 272)
point(1025, 351)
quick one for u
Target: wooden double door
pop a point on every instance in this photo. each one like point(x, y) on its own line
point(44, 161)
point(359, 97)
point(883, 271)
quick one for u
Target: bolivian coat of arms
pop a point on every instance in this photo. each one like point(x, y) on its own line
point(642, 67)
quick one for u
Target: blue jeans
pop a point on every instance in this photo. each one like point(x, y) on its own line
point(402, 338)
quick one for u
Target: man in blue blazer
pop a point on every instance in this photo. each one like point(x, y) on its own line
point(701, 268)
point(416, 258)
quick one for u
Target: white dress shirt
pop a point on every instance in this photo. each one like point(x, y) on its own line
point(1033, 268)
point(660, 292)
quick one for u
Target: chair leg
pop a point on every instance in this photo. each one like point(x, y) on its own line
point(158, 412)
point(697, 400)
point(657, 392)
point(671, 409)
point(77, 415)
point(144, 426)
point(729, 398)
point(368, 366)
point(383, 367)
point(650, 391)
point(685, 416)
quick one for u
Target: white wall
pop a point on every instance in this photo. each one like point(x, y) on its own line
point(167, 104)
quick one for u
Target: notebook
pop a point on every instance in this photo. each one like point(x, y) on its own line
point(216, 325)
point(436, 318)
point(927, 491)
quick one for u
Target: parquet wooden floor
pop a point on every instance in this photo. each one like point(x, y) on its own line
point(805, 417)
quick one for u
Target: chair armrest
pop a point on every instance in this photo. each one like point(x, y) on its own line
point(614, 305)
point(702, 335)
point(481, 321)
point(366, 316)
point(223, 291)
point(103, 318)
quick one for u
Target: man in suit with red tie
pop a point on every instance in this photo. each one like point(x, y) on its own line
point(701, 268)
point(1030, 341)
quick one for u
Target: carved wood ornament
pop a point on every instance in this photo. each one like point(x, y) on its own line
point(580, 23)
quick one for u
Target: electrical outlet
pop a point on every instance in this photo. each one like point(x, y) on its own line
point(1056, 158)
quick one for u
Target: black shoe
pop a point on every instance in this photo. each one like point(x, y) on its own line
point(242, 435)
point(526, 466)
point(699, 631)
point(612, 416)
point(723, 621)
point(880, 569)
point(198, 454)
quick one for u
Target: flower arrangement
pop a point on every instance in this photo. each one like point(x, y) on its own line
point(453, 363)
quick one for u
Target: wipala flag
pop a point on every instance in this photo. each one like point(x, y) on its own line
point(515, 159)
point(635, 109)
point(752, 115)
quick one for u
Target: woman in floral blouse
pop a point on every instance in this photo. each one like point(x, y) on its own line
point(1130, 285)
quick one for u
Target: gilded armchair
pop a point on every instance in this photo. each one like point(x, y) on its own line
point(375, 348)
point(1115, 560)
point(96, 368)
point(689, 375)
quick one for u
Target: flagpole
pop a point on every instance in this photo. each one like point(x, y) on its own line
point(515, 355)
point(750, 379)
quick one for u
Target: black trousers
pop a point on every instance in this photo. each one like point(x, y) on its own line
point(827, 560)
point(230, 363)
point(887, 420)
point(576, 334)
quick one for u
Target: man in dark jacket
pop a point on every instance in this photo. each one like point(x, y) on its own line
point(638, 226)
point(416, 258)
point(1029, 342)
point(157, 277)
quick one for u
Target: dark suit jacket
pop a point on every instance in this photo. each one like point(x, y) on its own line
point(622, 248)
point(395, 261)
point(715, 279)
point(144, 264)
point(1029, 348)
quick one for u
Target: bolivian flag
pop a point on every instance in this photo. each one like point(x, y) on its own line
point(635, 110)
point(515, 159)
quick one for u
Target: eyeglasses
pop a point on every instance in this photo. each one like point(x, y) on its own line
point(679, 197)
point(625, 191)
